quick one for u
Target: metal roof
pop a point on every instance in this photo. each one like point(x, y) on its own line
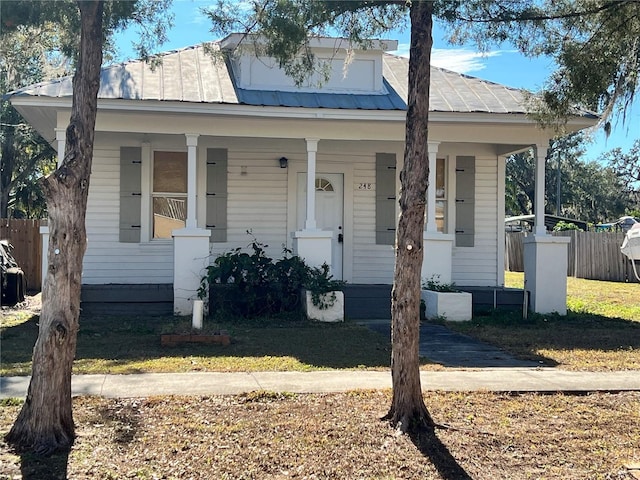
point(194, 75)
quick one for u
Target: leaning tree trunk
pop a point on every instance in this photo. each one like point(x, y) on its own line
point(45, 422)
point(408, 411)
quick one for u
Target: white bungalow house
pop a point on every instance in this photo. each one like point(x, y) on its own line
point(192, 154)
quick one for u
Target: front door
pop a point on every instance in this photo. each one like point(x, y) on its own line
point(329, 211)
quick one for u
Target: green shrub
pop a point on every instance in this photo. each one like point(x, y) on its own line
point(562, 226)
point(252, 285)
point(434, 284)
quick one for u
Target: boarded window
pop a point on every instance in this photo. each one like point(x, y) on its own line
point(385, 198)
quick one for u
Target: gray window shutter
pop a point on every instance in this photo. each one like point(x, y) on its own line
point(130, 193)
point(465, 201)
point(217, 194)
point(385, 198)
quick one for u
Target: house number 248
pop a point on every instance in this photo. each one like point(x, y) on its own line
point(365, 186)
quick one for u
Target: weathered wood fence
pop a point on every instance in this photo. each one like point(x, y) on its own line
point(25, 237)
point(592, 255)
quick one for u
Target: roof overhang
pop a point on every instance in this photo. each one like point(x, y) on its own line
point(42, 113)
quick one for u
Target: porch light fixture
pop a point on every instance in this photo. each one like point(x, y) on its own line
point(283, 162)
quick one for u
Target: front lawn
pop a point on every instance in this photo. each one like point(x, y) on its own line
point(600, 332)
point(132, 345)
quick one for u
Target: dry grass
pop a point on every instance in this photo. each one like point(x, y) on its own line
point(593, 297)
point(121, 345)
point(330, 436)
point(601, 331)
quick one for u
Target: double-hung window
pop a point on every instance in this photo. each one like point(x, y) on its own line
point(169, 192)
point(441, 195)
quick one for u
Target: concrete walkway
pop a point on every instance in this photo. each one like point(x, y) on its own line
point(198, 383)
point(451, 349)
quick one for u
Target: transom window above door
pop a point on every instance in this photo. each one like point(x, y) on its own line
point(169, 192)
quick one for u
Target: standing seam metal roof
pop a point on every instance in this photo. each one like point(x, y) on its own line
point(193, 75)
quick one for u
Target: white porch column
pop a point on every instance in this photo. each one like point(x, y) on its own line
point(312, 244)
point(431, 190)
point(190, 259)
point(545, 272)
point(312, 149)
point(61, 138)
point(541, 158)
point(545, 256)
point(437, 256)
point(192, 144)
point(190, 244)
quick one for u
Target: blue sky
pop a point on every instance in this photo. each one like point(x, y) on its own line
point(501, 65)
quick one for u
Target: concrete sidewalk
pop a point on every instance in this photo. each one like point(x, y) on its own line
point(199, 383)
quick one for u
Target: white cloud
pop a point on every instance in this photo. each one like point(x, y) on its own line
point(459, 60)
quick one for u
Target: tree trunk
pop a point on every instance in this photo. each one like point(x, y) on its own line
point(408, 411)
point(7, 163)
point(45, 422)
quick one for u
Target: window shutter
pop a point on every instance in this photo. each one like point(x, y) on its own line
point(130, 194)
point(385, 198)
point(217, 194)
point(465, 201)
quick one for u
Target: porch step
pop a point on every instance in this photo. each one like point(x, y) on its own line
point(126, 299)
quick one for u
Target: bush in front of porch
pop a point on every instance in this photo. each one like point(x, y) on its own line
point(253, 285)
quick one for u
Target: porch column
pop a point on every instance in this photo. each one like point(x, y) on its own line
point(61, 138)
point(541, 158)
point(431, 189)
point(545, 256)
point(545, 272)
point(312, 149)
point(190, 244)
point(192, 144)
point(312, 244)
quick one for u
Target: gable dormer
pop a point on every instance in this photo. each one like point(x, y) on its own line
point(360, 74)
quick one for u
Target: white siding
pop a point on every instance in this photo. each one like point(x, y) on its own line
point(258, 196)
point(477, 265)
point(107, 260)
point(372, 263)
point(257, 200)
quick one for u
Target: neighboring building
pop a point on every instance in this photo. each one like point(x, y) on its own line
point(190, 155)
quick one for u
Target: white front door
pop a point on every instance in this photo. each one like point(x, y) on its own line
point(329, 212)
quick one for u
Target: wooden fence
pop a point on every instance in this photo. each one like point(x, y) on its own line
point(25, 237)
point(592, 255)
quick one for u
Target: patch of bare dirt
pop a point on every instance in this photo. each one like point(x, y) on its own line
point(339, 436)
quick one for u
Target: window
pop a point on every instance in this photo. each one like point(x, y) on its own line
point(441, 195)
point(323, 185)
point(169, 192)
